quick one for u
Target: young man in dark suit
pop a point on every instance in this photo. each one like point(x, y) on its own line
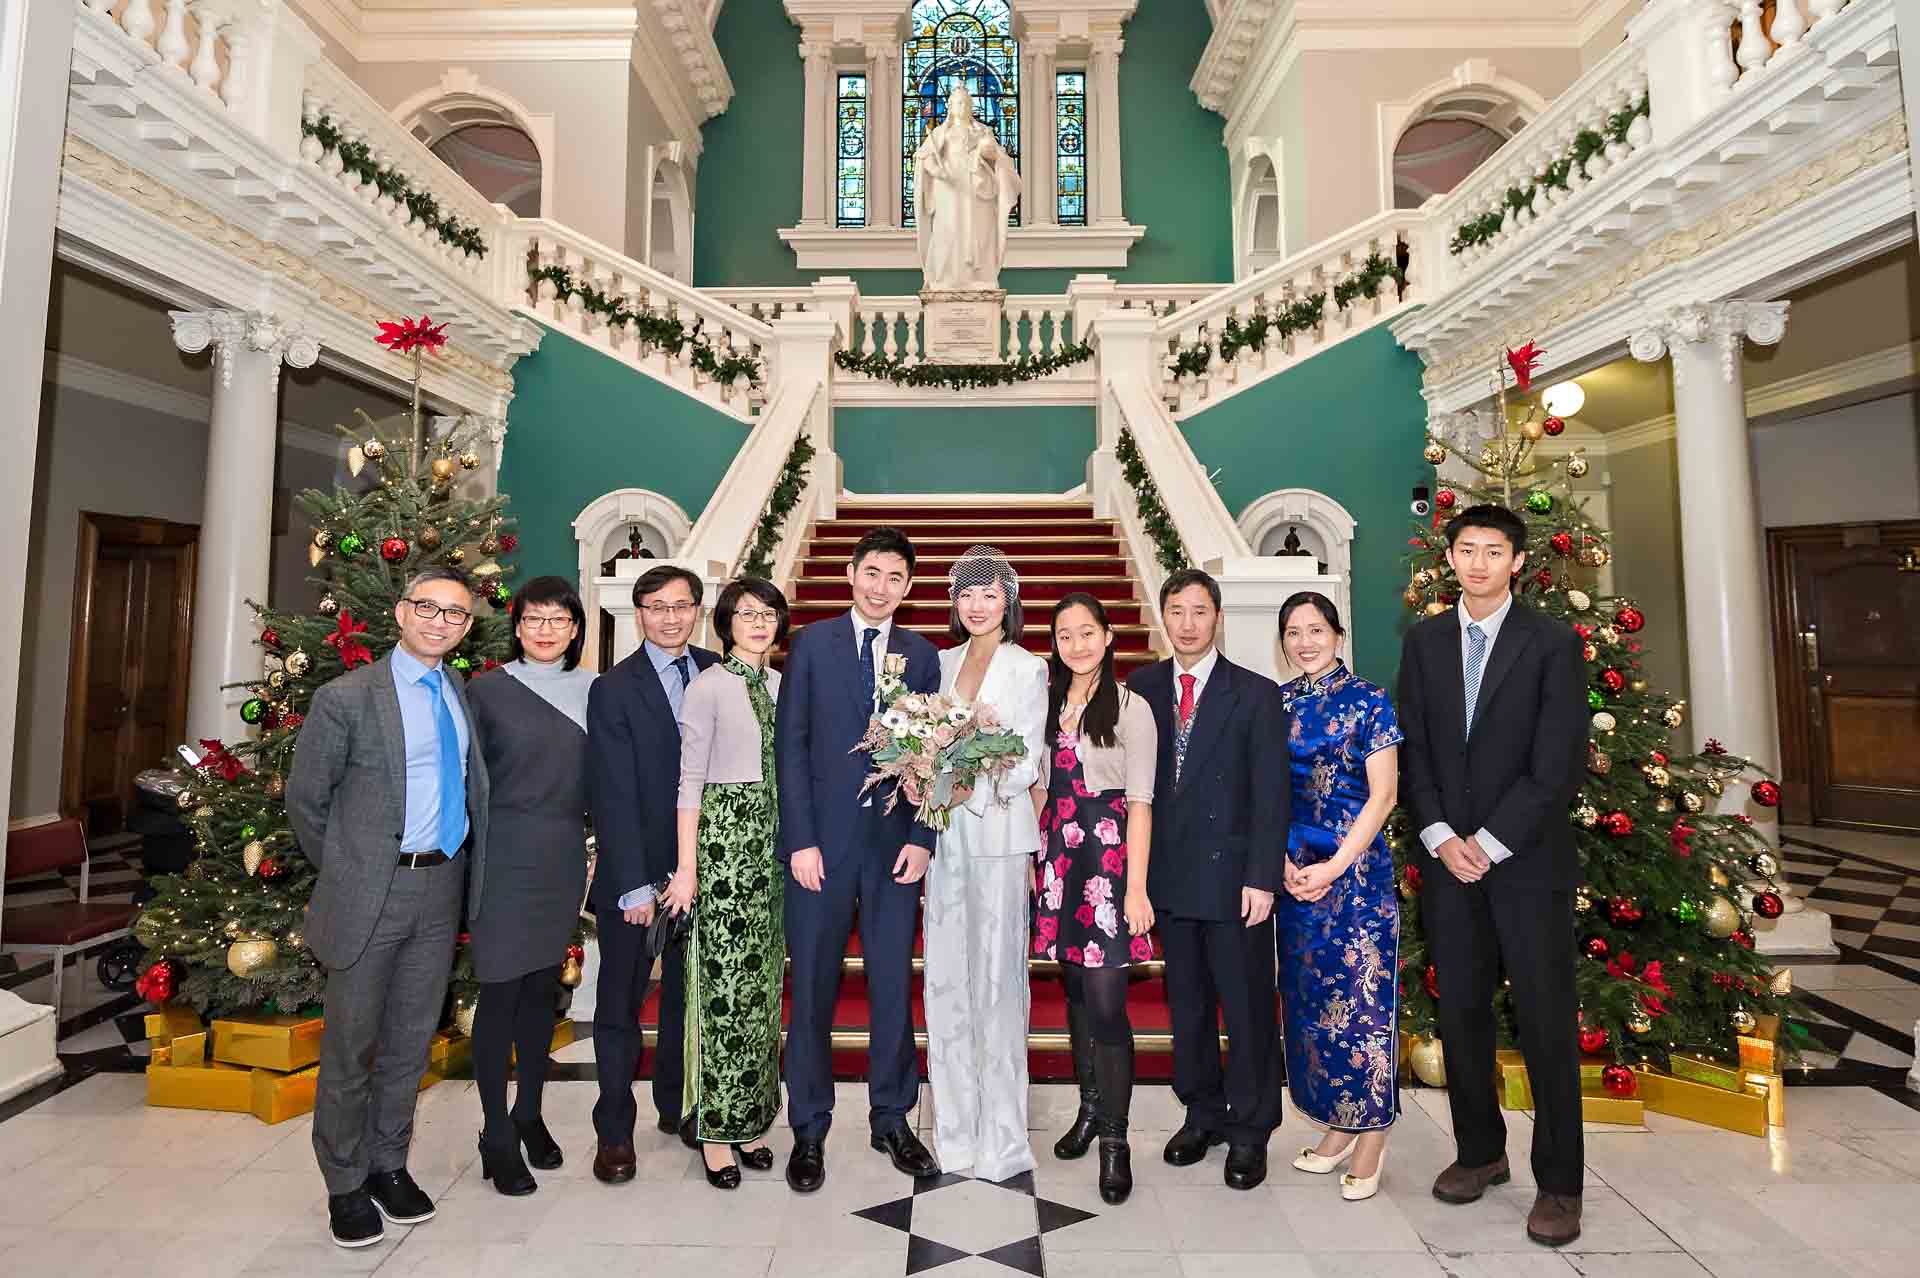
point(633, 729)
point(844, 849)
point(1220, 809)
point(1493, 702)
point(388, 798)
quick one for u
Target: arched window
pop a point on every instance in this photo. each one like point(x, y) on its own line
point(484, 144)
point(954, 43)
point(1450, 138)
point(850, 153)
point(1070, 147)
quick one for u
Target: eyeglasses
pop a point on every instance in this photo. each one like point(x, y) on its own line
point(756, 616)
point(547, 623)
point(427, 610)
point(662, 610)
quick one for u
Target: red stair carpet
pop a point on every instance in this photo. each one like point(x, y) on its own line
point(1056, 547)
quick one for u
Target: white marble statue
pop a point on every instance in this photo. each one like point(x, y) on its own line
point(964, 188)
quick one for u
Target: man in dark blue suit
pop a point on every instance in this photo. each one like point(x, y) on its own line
point(1220, 808)
point(845, 850)
point(633, 730)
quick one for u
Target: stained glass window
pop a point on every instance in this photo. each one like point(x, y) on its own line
point(1070, 147)
point(954, 43)
point(850, 172)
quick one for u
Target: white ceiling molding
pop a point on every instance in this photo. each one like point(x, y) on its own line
point(428, 33)
point(69, 372)
point(688, 45)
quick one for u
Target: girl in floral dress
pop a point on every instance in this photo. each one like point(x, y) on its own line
point(1339, 924)
point(1091, 911)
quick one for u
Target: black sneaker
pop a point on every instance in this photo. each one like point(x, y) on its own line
point(400, 1200)
point(355, 1222)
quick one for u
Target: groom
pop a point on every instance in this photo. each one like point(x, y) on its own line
point(846, 850)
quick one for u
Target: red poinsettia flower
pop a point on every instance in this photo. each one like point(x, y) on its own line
point(1651, 975)
point(1523, 362)
point(1621, 965)
point(220, 759)
point(408, 334)
point(352, 651)
point(1653, 1005)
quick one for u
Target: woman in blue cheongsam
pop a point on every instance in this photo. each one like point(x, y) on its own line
point(1339, 923)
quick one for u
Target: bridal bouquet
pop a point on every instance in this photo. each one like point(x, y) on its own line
point(934, 748)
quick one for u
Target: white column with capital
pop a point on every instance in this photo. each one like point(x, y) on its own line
point(1723, 560)
point(1103, 142)
point(816, 133)
point(883, 135)
point(236, 532)
point(1038, 161)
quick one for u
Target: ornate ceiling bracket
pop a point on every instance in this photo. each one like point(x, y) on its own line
point(230, 332)
point(1728, 325)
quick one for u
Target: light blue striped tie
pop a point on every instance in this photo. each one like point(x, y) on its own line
point(1476, 662)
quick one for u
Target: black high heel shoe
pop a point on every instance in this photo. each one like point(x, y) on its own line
point(727, 1177)
point(506, 1170)
point(759, 1159)
point(542, 1150)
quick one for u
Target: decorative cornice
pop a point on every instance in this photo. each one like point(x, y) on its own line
point(480, 33)
point(690, 38)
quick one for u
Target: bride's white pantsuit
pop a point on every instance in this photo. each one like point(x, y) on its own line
point(977, 919)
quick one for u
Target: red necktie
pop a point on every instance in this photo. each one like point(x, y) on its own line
point(1186, 700)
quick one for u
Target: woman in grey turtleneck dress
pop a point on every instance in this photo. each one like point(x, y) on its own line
point(531, 718)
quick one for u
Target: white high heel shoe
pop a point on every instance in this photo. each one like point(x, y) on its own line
point(1321, 1164)
point(1358, 1188)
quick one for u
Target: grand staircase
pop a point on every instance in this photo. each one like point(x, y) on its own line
point(1056, 547)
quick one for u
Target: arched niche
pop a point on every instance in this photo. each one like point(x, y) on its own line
point(1262, 228)
point(503, 150)
point(670, 222)
point(1434, 139)
point(1323, 529)
point(609, 525)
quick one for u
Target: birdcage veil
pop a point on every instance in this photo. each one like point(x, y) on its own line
point(983, 566)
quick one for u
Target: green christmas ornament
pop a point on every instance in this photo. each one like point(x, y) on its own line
point(502, 597)
point(462, 664)
point(248, 832)
point(352, 544)
point(1686, 911)
point(252, 710)
point(1594, 700)
point(1538, 502)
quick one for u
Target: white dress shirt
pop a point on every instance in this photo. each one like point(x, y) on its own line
point(1201, 671)
point(1439, 832)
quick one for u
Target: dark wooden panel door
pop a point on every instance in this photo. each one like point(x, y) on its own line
point(1855, 655)
point(133, 602)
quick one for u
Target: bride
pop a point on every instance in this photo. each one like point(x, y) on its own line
point(977, 891)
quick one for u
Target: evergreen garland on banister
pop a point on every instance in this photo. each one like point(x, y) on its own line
point(357, 157)
point(1155, 518)
point(1555, 176)
point(1021, 368)
point(654, 329)
point(780, 503)
point(1293, 317)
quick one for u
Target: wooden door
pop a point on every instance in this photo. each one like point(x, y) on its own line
point(127, 672)
point(1847, 631)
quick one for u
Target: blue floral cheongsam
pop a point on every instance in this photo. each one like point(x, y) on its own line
point(1339, 956)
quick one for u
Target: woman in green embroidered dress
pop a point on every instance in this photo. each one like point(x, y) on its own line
point(728, 813)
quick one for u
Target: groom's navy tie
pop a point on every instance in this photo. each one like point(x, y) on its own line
point(867, 637)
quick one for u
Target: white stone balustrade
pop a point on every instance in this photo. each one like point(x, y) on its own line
point(185, 39)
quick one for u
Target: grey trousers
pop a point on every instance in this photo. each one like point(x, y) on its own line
point(381, 1014)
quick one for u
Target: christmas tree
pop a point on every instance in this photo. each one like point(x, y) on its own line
point(1663, 920)
point(225, 936)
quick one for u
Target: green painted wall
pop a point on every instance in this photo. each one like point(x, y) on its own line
point(582, 424)
point(963, 450)
point(1349, 422)
point(1173, 170)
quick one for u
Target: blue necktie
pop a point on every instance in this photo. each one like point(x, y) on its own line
point(453, 778)
point(1476, 662)
point(680, 665)
point(866, 660)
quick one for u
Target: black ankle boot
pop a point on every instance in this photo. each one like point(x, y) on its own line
point(1079, 1138)
point(506, 1169)
point(1116, 1169)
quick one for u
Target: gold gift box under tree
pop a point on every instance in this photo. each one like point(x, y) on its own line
point(1697, 1090)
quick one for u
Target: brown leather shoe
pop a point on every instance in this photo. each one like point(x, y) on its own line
point(613, 1164)
point(1554, 1220)
point(1459, 1184)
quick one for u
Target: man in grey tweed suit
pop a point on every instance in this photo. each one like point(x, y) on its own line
point(388, 796)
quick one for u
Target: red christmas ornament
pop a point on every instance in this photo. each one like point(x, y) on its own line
point(271, 869)
point(270, 638)
point(578, 953)
point(156, 984)
point(465, 938)
point(1544, 577)
point(1432, 981)
point(1766, 794)
point(1618, 1080)
point(292, 721)
point(507, 542)
point(1658, 758)
point(1624, 911)
point(393, 549)
point(1617, 823)
point(1768, 905)
point(1589, 653)
point(1597, 947)
point(1613, 681)
point(1593, 1039)
point(1742, 938)
point(1680, 838)
point(1446, 498)
point(1629, 619)
point(1413, 877)
point(1553, 426)
point(1562, 544)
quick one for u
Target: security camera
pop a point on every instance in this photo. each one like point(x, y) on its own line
point(1422, 505)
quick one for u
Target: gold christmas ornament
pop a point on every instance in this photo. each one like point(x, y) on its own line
point(1599, 763)
point(1594, 556)
point(1658, 777)
point(277, 680)
point(1583, 896)
point(428, 538)
point(463, 1010)
point(184, 799)
point(1429, 1060)
point(489, 545)
point(1411, 596)
point(1578, 600)
point(1587, 815)
point(374, 450)
point(1423, 578)
point(570, 972)
point(1782, 982)
point(1640, 1023)
point(1673, 716)
point(1435, 452)
point(296, 940)
point(1436, 608)
point(1764, 865)
point(251, 856)
point(328, 605)
point(1716, 787)
point(276, 786)
point(1533, 431)
point(456, 556)
point(1717, 876)
point(470, 460)
point(298, 663)
point(356, 460)
point(1663, 805)
point(442, 469)
point(246, 958)
point(315, 555)
point(1691, 801)
point(1721, 920)
point(233, 928)
point(1577, 467)
point(322, 538)
point(1604, 722)
point(1742, 1021)
point(1608, 634)
point(203, 813)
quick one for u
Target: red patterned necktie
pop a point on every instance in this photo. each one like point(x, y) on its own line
point(1186, 700)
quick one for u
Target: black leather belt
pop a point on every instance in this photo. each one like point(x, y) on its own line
point(423, 860)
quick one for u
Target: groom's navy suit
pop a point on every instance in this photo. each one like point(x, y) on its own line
point(826, 702)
